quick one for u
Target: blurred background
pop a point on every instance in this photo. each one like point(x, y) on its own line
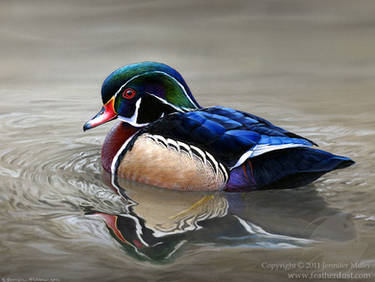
point(308, 66)
point(249, 46)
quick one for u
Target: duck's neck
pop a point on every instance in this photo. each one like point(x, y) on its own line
point(151, 107)
point(113, 142)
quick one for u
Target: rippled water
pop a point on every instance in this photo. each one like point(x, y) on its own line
point(306, 66)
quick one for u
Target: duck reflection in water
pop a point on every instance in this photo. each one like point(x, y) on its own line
point(156, 224)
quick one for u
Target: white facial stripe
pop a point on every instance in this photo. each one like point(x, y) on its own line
point(179, 84)
point(187, 109)
point(165, 102)
point(126, 83)
point(183, 88)
point(133, 119)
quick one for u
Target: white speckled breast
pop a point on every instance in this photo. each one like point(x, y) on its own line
point(171, 164)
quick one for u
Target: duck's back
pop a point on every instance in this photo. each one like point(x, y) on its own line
point(230, 136)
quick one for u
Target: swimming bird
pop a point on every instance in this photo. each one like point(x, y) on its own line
point(166, 139)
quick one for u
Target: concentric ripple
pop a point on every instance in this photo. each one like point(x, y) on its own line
point(44, 170)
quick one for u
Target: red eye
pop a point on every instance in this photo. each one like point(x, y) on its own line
point(128, 93)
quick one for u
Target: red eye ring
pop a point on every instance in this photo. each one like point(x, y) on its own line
point(128, 93)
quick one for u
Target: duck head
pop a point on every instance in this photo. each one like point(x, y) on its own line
point(141, 93)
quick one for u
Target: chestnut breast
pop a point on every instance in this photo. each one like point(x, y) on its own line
point(171, 164)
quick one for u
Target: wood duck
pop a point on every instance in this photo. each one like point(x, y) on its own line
point(166, 139)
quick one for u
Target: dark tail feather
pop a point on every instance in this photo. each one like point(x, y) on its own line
point(287, 168)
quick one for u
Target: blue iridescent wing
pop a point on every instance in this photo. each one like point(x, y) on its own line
point(227, 134)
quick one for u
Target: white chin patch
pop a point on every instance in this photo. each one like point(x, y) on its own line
point(133, 119)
